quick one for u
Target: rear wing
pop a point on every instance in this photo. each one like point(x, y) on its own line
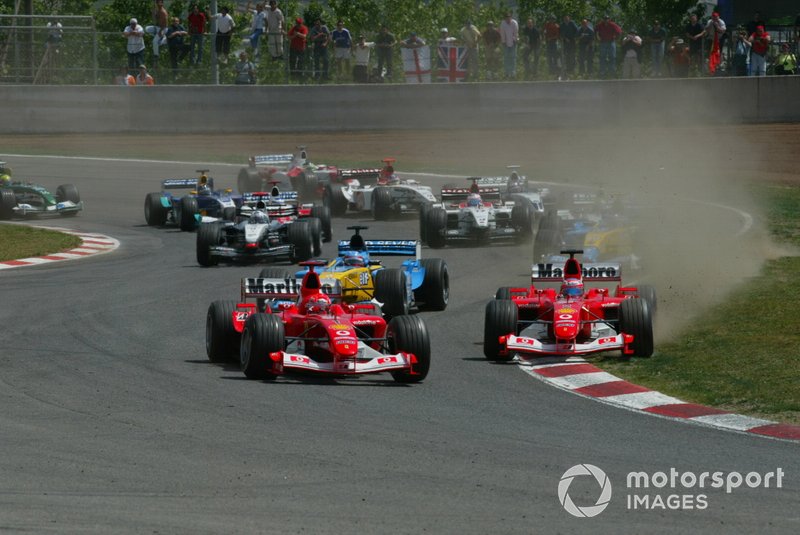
point(273, 208)
point(361, 174)
point(599, 272)
point(386, 247)
point(184, 183)
point(287, 289)
point(273, 160)
point(501, 182)
point(460, 194)
point(253, 198)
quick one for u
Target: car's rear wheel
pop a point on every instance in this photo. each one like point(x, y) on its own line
point(546, 243)
point(263, 334)
point(154, 211)
point(229, 213)
point(391, 290)
point(323, 213)
point(500, 320)
point(522, 219)
point(305, 185)
point(222, 340)
point(208, 235)
point(300, 236)
point(409, 334)
point(248, 180)
point(189, 211)
point(436, 284)
point(335, 199)
point(316, 233)
point(436, 227)
point(648, 293)
point(635, 319)
point(504, 292)
point(7, 203)
point(424, 208)
point(381, 204)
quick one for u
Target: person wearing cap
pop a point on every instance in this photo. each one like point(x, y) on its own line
point(759, 42)
point(178, 48)
point(678, 54)
point(631, 49)
point(320, 37)
point(135, 48)
point(445, 38)
point(509, 37)
point(607, 32)
point(384, 50)
point(694, 37)
point(413, 41)
point(298, 35)
point(245, 70)
point(715, 29)
point(786, 62)
point(144, 78)
point(741, 53)
point(361, 52)
point(491, 43)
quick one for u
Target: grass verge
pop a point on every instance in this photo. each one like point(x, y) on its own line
point(19, 241)
point(743, 355)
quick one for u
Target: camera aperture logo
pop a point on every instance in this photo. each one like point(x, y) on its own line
point(584, 470)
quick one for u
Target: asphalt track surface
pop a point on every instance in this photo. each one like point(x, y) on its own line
point(114, 421)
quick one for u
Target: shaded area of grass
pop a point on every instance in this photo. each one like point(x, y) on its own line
point(742, 355)
point(17, 241)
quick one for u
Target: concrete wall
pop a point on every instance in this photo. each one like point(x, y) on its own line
point(202, 109)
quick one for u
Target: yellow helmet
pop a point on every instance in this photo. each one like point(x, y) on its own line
point(5, 179)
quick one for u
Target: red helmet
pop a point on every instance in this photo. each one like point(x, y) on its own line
point(318, 304)
point(572, 288)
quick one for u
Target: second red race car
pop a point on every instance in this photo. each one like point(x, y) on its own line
point(287, 326)
point(533, 322)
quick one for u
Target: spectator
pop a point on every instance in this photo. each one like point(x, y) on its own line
point(509, 36)
point(491, 43)
point(55, 34)
point(320, 37)
point(298, 34)
point(275, 31)
point(245, 70)
point(144, 78)
point(135, 36)
point(197, 28)
point(631, 49)
point(678, 54)
point(608, 32)
point(123, 77)
point(342, 43)
point(657, 39)
point(361, 56)
point(568, 32)
point(471, 36)
point(552, 33)
point(585, 48)
point(160, 25)
point(532, 40)
point(741, 53)
point(445, 38)
point(257, 27)
point(715, 29)
point(178, 49)
point(225, 26)
point(694, 34)
point(786, 63)
point(413, 41)
point(384, 48)
point(759, 42)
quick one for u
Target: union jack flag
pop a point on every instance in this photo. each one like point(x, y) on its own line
point(452, 64)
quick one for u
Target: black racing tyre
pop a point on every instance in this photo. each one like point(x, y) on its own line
point(68, 192)
point(391, 290)
point(504, 292)
point(208, 235)
point(248, 180)
point(323, 213)
point(648, 293)
point(305, 185)
point(335, 200)
point(316, 232)
point(301, 237)
point(284, 182)
point(436, 227)
point(436, 284)
point(635, 318)
point(155, 213)
point(522, 219)
point(263, 334)
point(550, 221)
point(424, 208)
point(546, 242)
point(500, 320)
point(381, 203)
point(189, 210)
point(7, 203)
point(410, 335)
point(222, 340)
point(229, 213)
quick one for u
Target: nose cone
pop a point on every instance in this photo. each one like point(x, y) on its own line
point(343, 340)
point(566, 323)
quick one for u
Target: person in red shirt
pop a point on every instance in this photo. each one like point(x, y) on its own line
point(297, 34)
point(197, 27)
point(552, 31)
point(607, 32)
point(759, 42)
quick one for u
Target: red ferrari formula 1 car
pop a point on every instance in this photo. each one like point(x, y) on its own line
point(298, 327)
point(531, 322)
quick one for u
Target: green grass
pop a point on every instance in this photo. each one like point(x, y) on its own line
point(743, 355)
point(17, 241)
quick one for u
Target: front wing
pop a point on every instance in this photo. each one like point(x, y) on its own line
point(232, 253)
point(532, 347)
point(366, 360)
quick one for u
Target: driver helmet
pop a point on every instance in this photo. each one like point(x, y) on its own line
point(318, 304)
point(5, 180)
point(572, 288)
point(259, 217)
point(204, 190)
point(354, 261)
point(474, 199)
point(393, 179)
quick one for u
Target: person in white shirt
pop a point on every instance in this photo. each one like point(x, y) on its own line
point(275, 30)
point(257, 27)
point(135, 36)
point(225, 26)
point(509, 37)
point(361, 52)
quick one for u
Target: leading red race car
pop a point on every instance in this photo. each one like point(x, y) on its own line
point(531, 322)
point(298, 327)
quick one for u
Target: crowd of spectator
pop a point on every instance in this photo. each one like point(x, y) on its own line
point(493, 52)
